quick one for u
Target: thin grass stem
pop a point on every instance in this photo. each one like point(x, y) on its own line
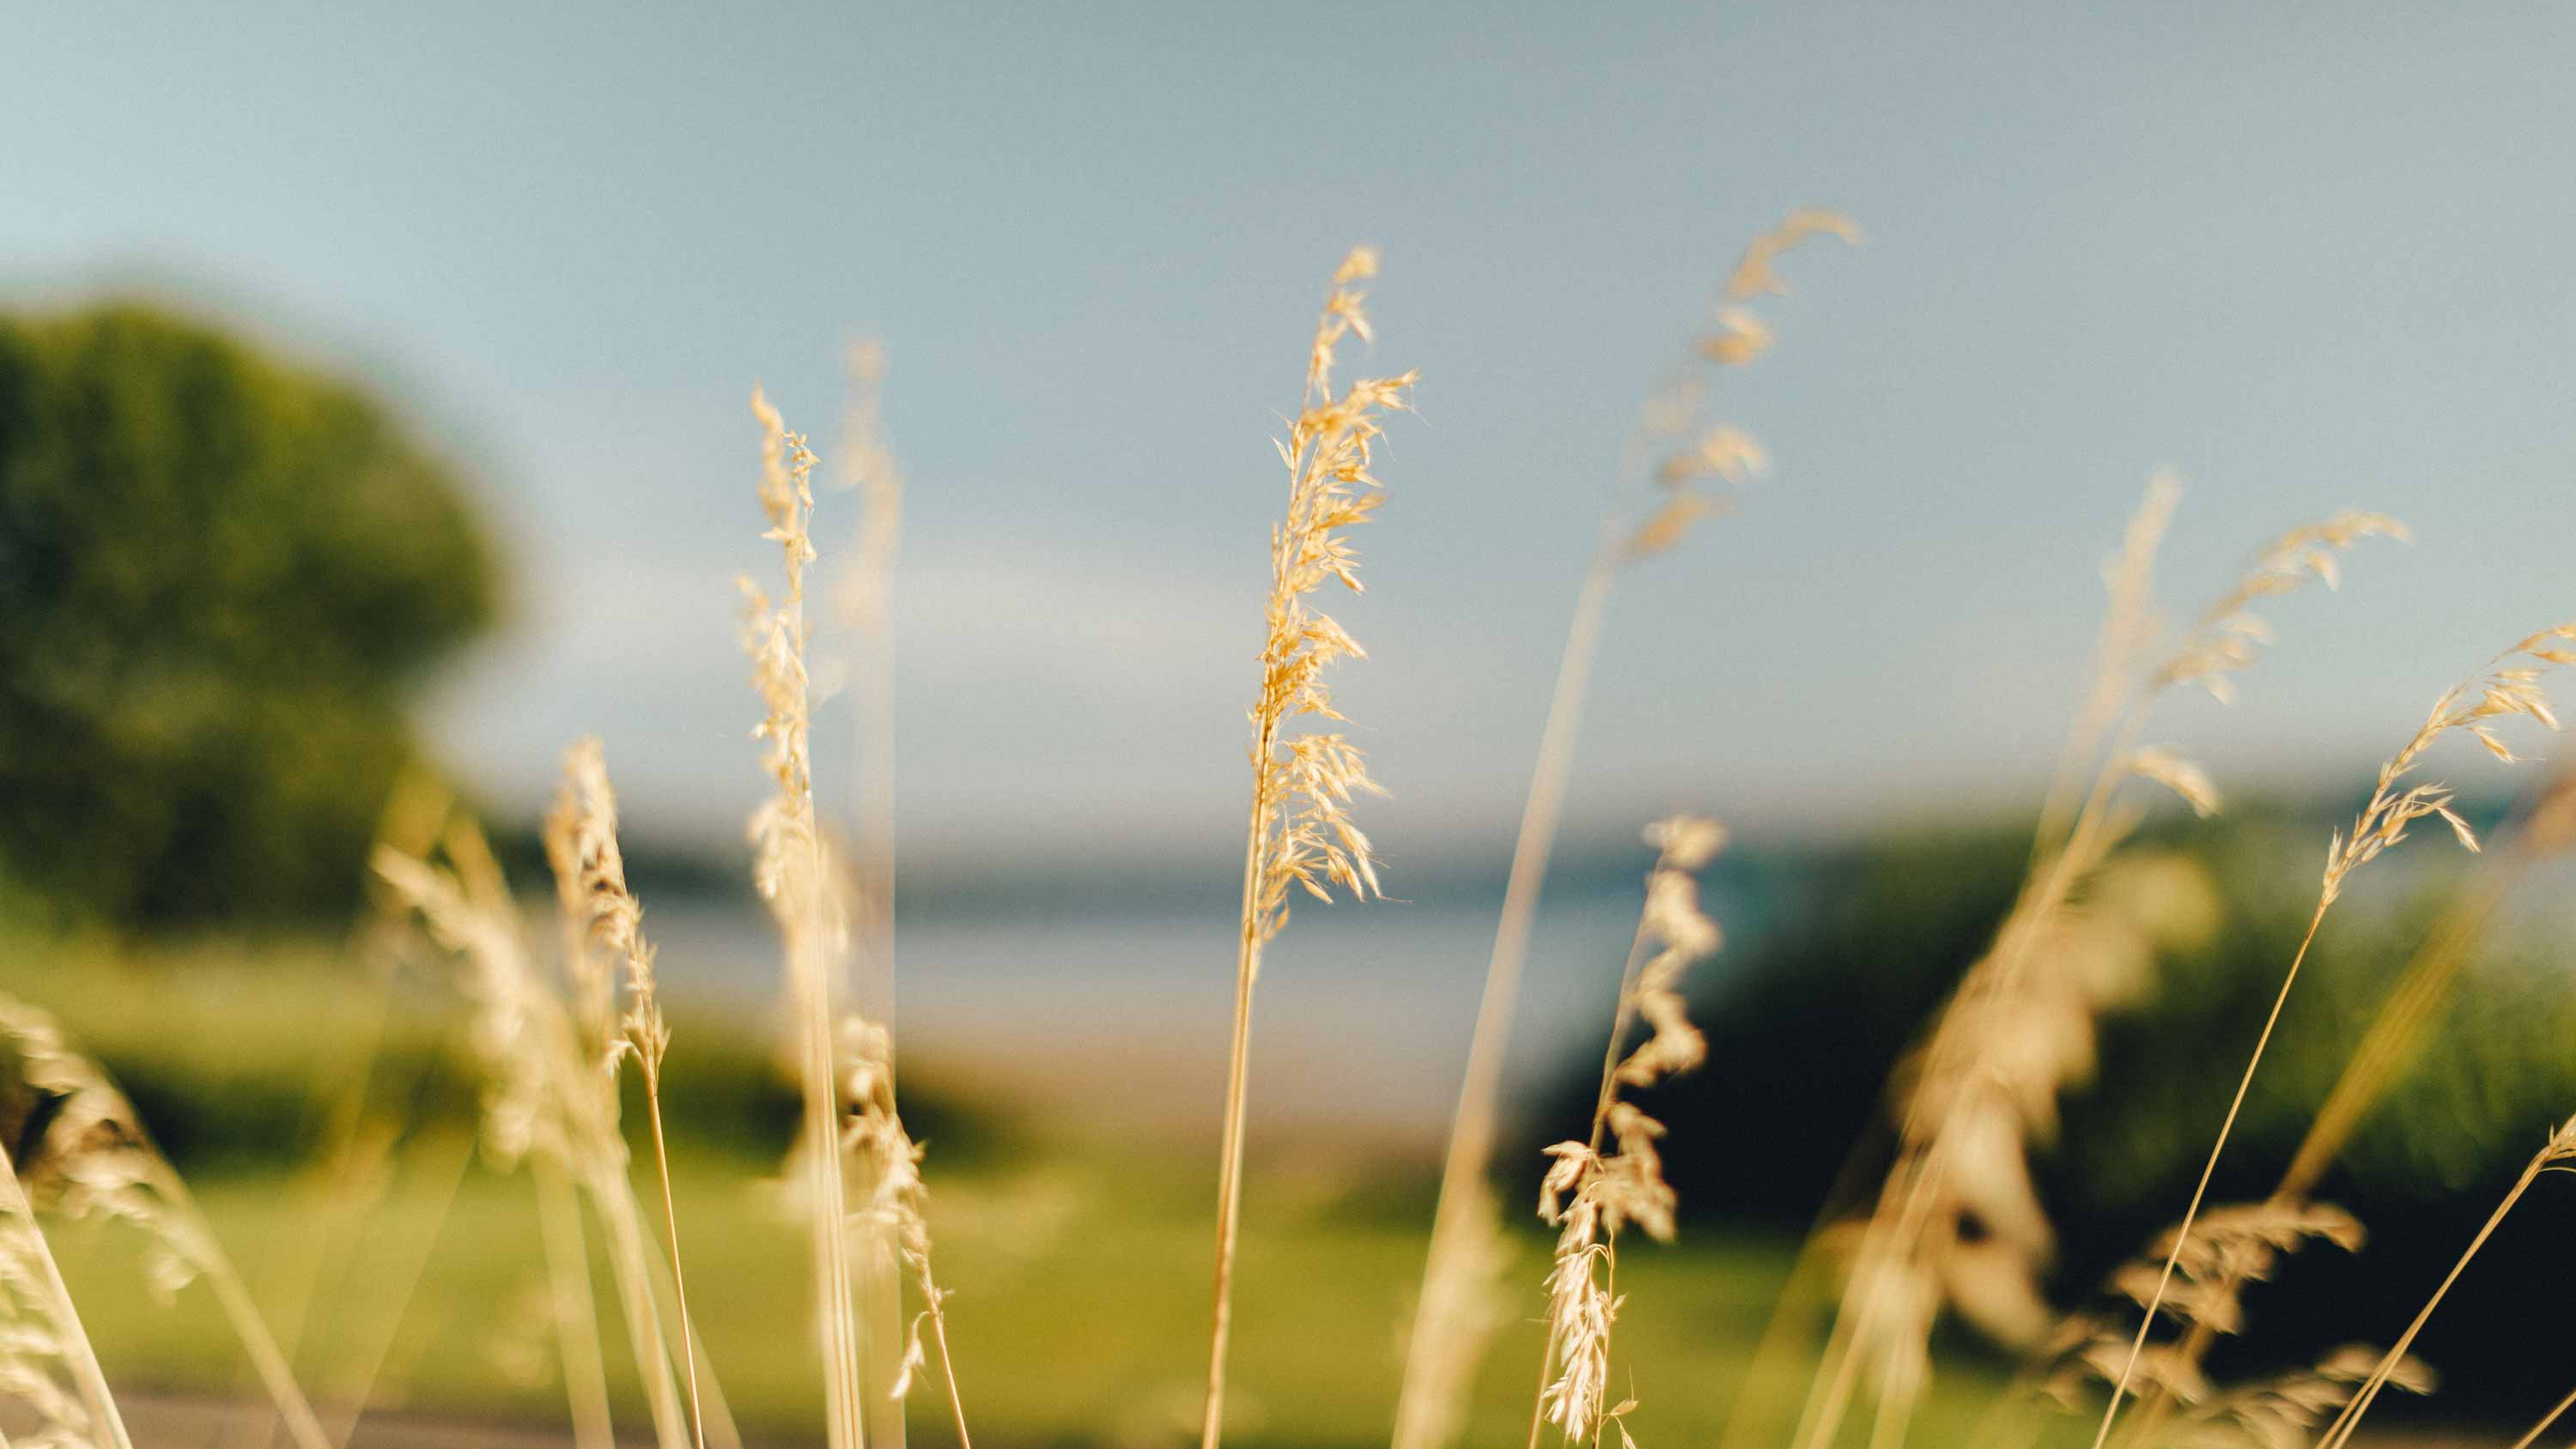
point(2200, 1190)
point(2532, 1435)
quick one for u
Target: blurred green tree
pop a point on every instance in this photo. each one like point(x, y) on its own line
point(220, 578)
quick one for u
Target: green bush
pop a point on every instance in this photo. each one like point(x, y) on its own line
point(220, 576)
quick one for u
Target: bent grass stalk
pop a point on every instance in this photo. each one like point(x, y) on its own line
point(868, 469)
point(567, 1053)
point(603, 924)
point(2556, 1411)
point(1589, 1195)
point(1299, 832)
point(97, 1146)
point(2561, 1147)
point(722, 1432)
point(344, 1176)
point(570, 1298)
point(2220, 643)
point(234, 1296)
point(2388, 1045)
point(447, 1172)
point(891, 1213)
point(814, 897)
point(548, 1100)
point(2501, 693)
point(27, 1265)
point(1453, 1313)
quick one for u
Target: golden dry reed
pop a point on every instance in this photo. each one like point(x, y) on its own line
point(2557, 1411)
point(2547, 827)
point(789, 870)
point(1588, 1194)
point(2234, 1245)
point(1300, 835)
point(891, 1199)
point(859, 1170)
point(1951, 1114)
point(2499, 691)
point(1461, 1301)
point(2560, 1148)
point(862, 592)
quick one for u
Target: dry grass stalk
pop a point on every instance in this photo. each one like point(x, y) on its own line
point(790, 873)
point(889, 1216)
point(570, 1297)
point(345, 1175)
point(550, 1102)
point(1300, 835)
point(861, 594)
point(2120, 651)
point(93, 1158)
point(1588, 1195)
point(2557, 1411)
point(333, 1193)
point(2560, 1148)
point(2547, 827)
point(879, 1170)
point(604, 924)
point(2235, 1245)
point(2499, 691)
point(1460, 1308)
point(858, 1168)
point(2224, 639)
point(1461, 1301)
point(2281, 1411)
point(2037, 1044)
point(1987, 1241)
point(46, 1362)
point(354, 1386)
point(1881, 1315)
point(866, 584)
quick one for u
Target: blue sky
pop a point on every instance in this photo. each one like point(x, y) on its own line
point(2308, 256)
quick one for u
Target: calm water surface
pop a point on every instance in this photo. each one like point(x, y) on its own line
point(1362, 1017)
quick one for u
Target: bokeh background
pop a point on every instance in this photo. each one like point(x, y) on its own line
point(372, 393)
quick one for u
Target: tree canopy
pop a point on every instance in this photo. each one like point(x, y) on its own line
point(221, 577)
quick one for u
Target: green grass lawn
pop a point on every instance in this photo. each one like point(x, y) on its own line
point(1080, 1270)
point(1079, 1314)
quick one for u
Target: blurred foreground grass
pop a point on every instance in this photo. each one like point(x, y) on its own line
point(1079, 1263)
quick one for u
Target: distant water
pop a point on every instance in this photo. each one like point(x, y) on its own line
point(1102, 1002)
point(1361, 1020)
